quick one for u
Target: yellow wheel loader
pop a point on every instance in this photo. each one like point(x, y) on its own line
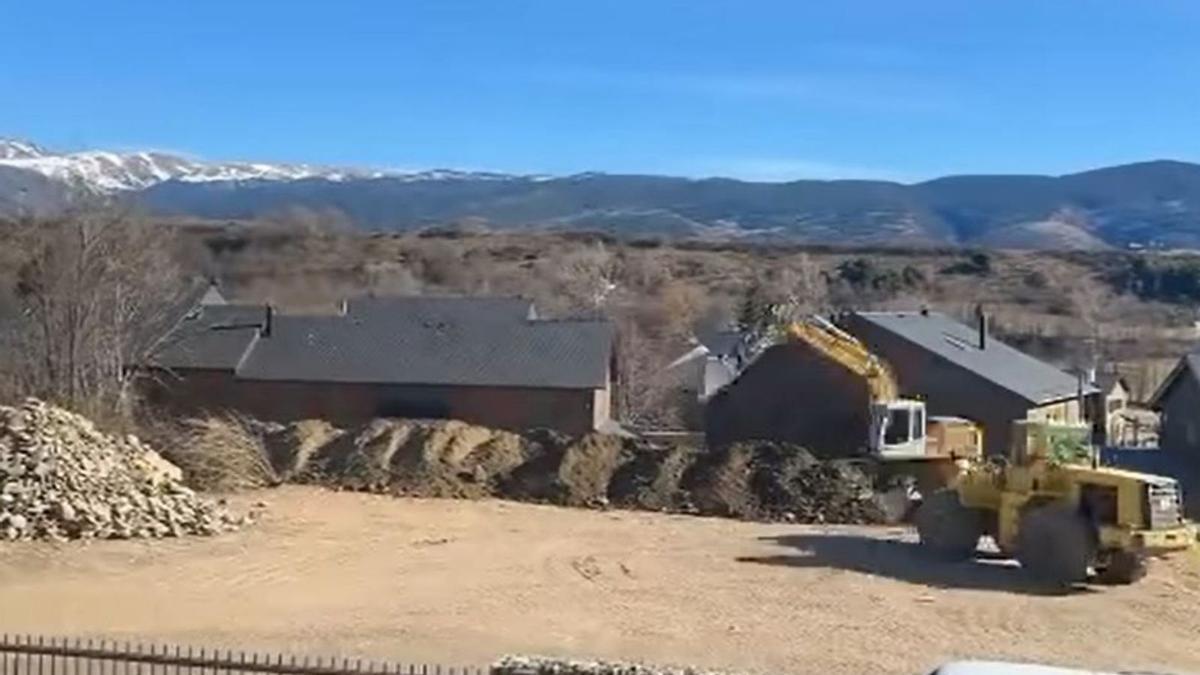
point(1049, 505)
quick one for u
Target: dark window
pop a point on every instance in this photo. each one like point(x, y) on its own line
point(1099, 503)
point(897, 427)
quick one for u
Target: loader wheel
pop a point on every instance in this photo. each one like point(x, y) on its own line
point(1055, 545)
point(948, 529)
point(1124, 567)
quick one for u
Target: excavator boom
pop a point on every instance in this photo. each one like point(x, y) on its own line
point(838, 345)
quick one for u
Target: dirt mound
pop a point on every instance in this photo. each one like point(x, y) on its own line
point(412, 457)
point(290, 447)
point(437, 458)
point(769, 481)
point(61, 478)
point(562, 471)
point(650, 478)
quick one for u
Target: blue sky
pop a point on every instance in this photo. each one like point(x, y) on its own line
point(759, 90)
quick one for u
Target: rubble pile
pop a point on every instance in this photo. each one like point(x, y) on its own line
point(546, 665)
point(61, 478)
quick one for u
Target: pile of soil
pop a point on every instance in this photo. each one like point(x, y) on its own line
point(770, 481)
point(412, 457)
point(438, 458)
point(61, 478)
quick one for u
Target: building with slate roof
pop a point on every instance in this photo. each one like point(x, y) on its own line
point(1178, 402)
point(489, 361)
point(963, 371)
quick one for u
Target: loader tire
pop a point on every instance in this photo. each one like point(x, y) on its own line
point(1056, 545)
point(1123, 568)
point(948, 529)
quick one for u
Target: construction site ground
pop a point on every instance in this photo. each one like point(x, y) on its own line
point(461, 582)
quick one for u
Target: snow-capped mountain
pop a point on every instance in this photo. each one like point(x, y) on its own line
point(13, 149)
point(114, 171)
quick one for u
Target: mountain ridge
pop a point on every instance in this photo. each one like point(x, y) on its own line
point(1149, 204)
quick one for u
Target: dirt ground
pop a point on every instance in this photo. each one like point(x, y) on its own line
point(461, 582)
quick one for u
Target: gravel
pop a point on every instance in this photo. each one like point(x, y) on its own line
point(61, 478)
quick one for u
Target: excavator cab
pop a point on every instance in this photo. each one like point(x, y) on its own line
point(898, 429)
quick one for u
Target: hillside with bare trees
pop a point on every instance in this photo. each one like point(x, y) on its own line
point(84, 295)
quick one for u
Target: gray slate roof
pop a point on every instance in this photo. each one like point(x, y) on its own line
point(1188, 366)
point(721, 342)
point(1107, 381)
point(1034, 380)
point(419, 340)
point(211, 337)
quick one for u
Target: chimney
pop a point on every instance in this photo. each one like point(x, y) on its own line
point(982, 318)
point(268, 320)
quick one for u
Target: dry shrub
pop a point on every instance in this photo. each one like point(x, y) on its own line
point(221, 454)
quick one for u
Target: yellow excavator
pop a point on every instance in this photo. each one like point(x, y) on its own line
point(900, 429)
point(910, 453)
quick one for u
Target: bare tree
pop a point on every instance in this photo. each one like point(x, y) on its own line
point(803, 285)
point(644, 387)
point(586, 277)
point(787, 293)
point(303, 220)
point(1087, 299)
point(682, 306)
point(97, 289)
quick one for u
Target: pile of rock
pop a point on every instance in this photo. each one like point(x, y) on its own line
point(61, 478)
point(546, 665)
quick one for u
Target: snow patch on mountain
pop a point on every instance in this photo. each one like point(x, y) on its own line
point(103, 171)
point(10, 148)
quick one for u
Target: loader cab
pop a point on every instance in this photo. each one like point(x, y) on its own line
point(898, 429)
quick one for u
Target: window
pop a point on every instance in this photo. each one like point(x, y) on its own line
point(897, 429)
point(918, 425)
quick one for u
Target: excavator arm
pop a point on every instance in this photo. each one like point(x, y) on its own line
point(838, 345)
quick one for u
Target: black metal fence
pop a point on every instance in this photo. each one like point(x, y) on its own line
point(41, 655)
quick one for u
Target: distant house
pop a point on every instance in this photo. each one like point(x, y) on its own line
point(715, 361)
point(490, 361)
point(1113, 420)
point(963, 371)
point(1178, 402)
